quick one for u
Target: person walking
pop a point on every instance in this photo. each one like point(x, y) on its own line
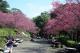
point(10, 42)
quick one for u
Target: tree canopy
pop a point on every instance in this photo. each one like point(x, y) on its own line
point(4, 6)
point(41, 19)
point(67, 18)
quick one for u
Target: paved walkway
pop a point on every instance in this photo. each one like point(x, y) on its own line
point(33, 47)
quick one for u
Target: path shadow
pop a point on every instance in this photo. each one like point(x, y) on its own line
point(40, 41)
point(32, 50)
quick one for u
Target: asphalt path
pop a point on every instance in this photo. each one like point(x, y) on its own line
point(33, 47)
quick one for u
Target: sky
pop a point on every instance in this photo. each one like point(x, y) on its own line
point(31, 8)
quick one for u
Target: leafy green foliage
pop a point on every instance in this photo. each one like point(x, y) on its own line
point(2, 41)
point(4, 32)
point(15, 10)
point(71, 43)
point(67, 42)
point(40, 20)
point(3, 6)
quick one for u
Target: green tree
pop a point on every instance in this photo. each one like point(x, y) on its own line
point(41, 20)
point(4, 6)
point(15, 10)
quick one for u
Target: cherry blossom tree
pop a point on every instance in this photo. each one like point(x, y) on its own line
point(67, 19)
point(17, 20)
point(6, 19)
point(22, 22)
point(56, 4)
point(72, 1)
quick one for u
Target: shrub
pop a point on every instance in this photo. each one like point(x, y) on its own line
point(71, 43)
point(67, 42)
point(62, 39)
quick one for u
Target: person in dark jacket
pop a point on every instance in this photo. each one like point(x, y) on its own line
point(10, 42)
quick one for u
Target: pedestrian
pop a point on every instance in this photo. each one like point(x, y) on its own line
point(10, 42)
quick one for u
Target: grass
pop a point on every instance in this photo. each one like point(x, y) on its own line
point(2, 42)
point(5, 32)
